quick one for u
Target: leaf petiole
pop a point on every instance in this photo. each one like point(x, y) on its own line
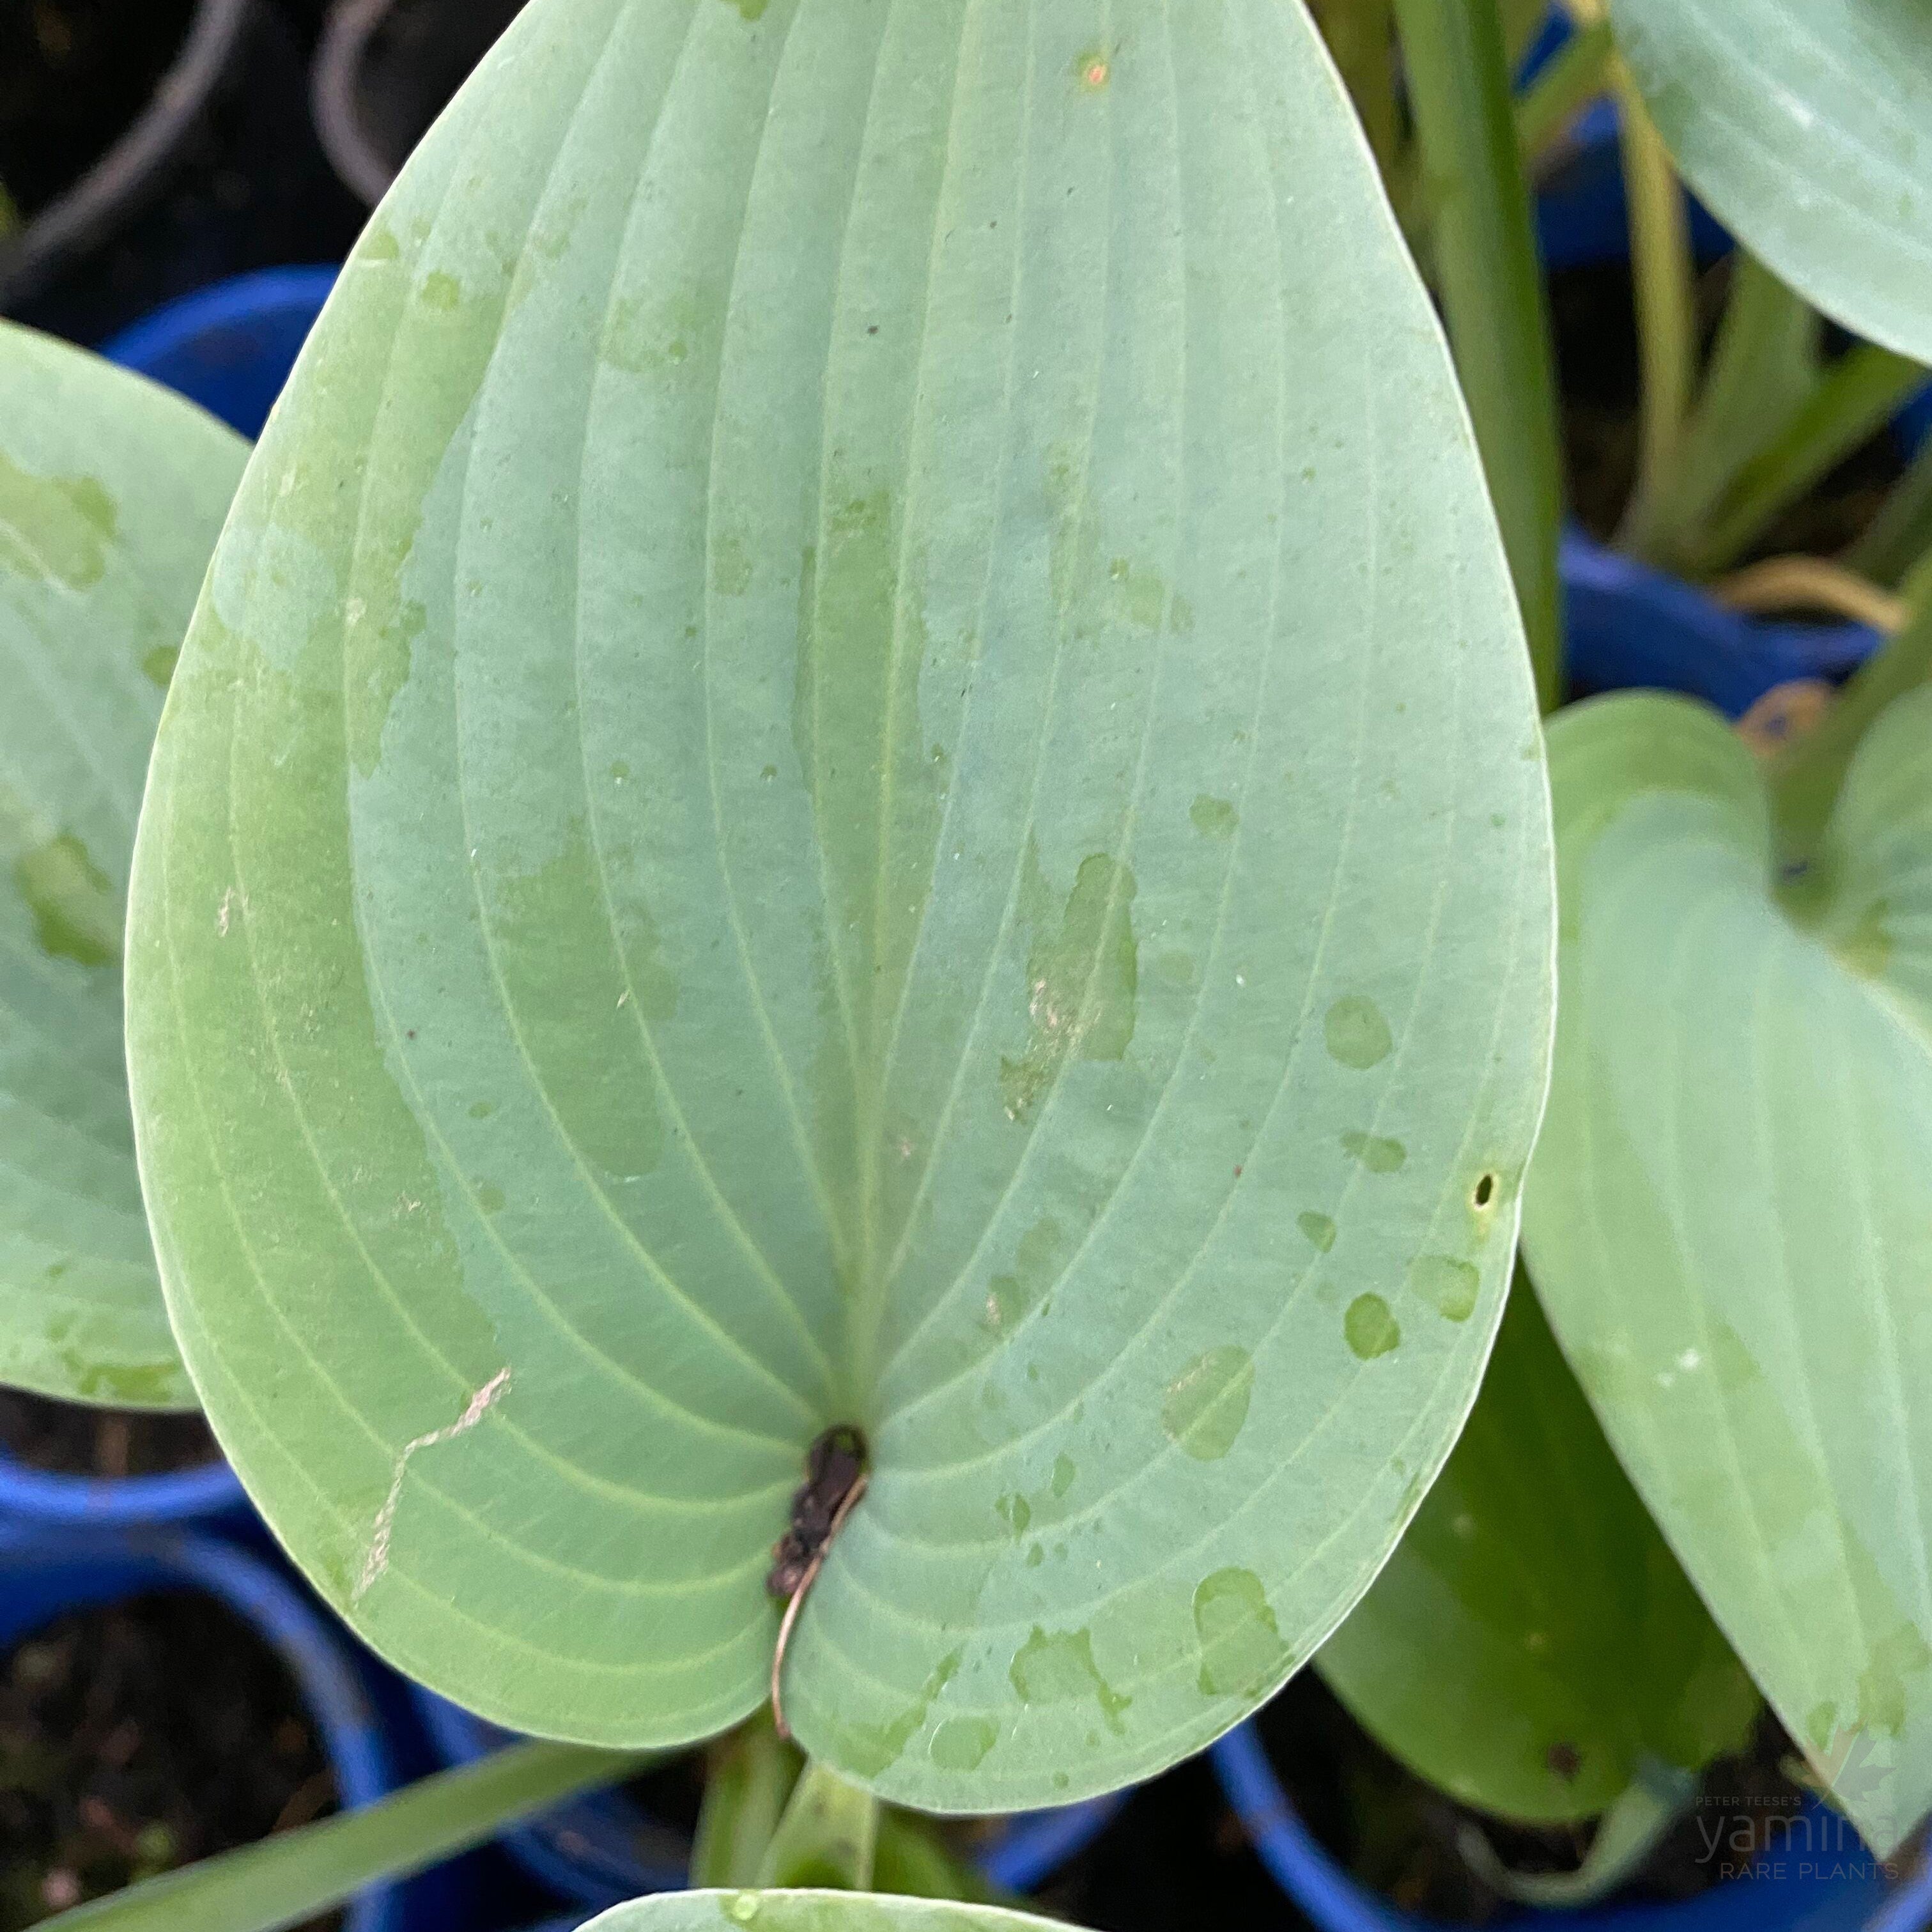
point(1491, 285)
point(1575, 76)
point(1630, 1831)
point(1662, 277)
point(827, 1838)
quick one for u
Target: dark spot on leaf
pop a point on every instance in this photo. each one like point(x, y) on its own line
point(833, 1466)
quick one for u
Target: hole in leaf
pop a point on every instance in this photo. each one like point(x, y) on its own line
point(1486, 1190)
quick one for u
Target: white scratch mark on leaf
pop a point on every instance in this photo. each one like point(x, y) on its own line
point(377, 1560)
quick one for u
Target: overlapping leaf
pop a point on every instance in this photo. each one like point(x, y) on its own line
point(1532, 1645)
point(1730, 1219)
point(112, 493)
point(1807, 128)
point(807, 1912)
point(859, 753)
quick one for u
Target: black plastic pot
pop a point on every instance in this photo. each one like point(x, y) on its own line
point(140, 191)
point(386, 70)
point(87, 214)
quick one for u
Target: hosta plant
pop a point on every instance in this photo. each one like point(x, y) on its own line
point(845, 766)
point(839, 969)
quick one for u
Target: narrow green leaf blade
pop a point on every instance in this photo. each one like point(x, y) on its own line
point(1532, 1643)
point(287, 1879)
point(848, 763)
point(111, 493)
point(1730, 1216)
point(1808, 129)
point(808, 1912)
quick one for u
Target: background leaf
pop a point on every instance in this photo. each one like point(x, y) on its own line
point(859, 753)
point(1730, 1219)
point(1808, 129)
point(112, 492)
point(1532, 1642)
point(807, 1912)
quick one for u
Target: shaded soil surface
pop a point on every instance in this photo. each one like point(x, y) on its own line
point(1595, 328)
point(1400, 1835)
point(139, 1737)
point(70, 1439)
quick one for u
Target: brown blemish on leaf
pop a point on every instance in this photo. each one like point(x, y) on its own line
point(377, 1560)
point(1082, 982)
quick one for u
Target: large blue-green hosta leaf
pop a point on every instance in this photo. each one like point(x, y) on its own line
point(859, 753)
point(1730, 1218)
point(1807, 125)
point(112, 492)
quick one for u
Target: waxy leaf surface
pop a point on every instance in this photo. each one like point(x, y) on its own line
point(111, 493)
point(1806, 127)
point(859, 753)
point(808, 1912)
point(1730, 1215)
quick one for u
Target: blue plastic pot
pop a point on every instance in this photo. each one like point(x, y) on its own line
point(586, 1848)
point(1833, 1895)
point(1628, 627)
point(45, 1574)
point(228, 348)
point(42, 1498)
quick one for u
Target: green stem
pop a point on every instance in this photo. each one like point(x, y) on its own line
point(1491, 287)
point(1763, 370)
point(828, 1837)
point(1855, 397)
point(1901, 533)
point(750, 1778)
point(1631, 1830)
point(295, 1875)
point(1663, 278)
point(1579, 72)
point(913, 1861)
